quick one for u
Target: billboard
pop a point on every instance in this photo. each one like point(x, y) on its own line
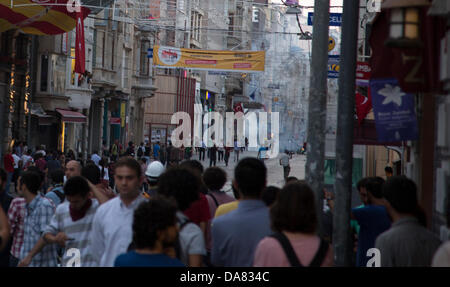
point(231, 61)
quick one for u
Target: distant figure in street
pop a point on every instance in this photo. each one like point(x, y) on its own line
point(388, 171)
point(96, 158)
point(246, 143)
point(156, 149)
point(284, 162)
point(213, 155)
point(236, 151)
point(227, 155)
point(201, 155)
point(407, 243)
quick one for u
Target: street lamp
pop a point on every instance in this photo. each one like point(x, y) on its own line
point(404, 23)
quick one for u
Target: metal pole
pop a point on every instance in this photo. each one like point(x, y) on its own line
point(344, 142)
point(318, 105)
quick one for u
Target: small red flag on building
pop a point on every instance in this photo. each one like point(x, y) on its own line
point(80, 51)
point(363, 106)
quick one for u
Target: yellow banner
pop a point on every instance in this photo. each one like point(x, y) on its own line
point(231, 61)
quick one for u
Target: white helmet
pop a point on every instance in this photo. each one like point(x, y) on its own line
point(154, 170)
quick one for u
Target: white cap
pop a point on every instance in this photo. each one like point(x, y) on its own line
point(154, 170)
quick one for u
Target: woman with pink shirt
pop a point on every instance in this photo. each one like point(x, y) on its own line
point(295, 241)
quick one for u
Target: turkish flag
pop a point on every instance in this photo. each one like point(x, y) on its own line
point(363, 106)
point(238, 108)
point(80, 51)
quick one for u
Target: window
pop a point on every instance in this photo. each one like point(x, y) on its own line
point(103, 49)
point(125, 68)
point(144, 61)
point(112, 52)
point(44, 73)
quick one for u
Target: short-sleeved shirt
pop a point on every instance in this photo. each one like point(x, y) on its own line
point(192, 241)
point(199, 210)
point(373, 220)
point(134, 259)
point(96, 158)
point(270, 253)
point(79, 230)
point(156, 149)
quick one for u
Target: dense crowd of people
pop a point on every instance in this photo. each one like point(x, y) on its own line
point(155, 206)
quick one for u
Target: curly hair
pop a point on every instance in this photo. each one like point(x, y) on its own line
point(294, 209)
point(181, 184)
point(152, 216)
point(214, 178)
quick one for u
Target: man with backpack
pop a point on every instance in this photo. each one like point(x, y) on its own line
point(56, 194)
point(141, 151)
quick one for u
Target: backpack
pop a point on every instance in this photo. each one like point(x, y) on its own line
point(292, 257)
point(58, 192)
point(177, 242)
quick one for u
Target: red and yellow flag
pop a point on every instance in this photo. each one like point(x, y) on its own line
point(38, 17)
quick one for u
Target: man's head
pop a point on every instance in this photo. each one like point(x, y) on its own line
point(193, 165)
point(361, 186)
point(181, 184)
point(73, 168)
point(3, 179)
point(57, 176)
point(154, 224)
point(291, 179)
point(374, 188)
point(389, 172)
point(153, 172)
point(91, 172)
point(128, 177)
point(401, 194)
point(214, 178)
point(250, 178)
point(29, 183)
point(76, 191)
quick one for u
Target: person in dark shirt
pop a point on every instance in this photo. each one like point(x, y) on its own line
point(5, 202)
point(154, 229)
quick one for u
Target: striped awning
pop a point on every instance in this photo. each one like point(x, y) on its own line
point(38, 17)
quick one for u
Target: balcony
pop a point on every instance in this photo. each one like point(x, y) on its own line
point(103, 77)
point(143, 86)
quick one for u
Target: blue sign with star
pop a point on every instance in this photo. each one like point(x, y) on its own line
point(395, 116)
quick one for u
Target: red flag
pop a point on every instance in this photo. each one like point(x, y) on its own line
point(363, 106)
point(80, 51)
point(238, 108)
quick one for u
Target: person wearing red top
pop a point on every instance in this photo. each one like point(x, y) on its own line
point(8, 163)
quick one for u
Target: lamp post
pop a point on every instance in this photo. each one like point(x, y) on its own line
point(404, 23)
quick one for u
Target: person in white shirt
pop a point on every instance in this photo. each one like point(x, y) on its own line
point(96, 158)
point(112, 224)
point(27, 159)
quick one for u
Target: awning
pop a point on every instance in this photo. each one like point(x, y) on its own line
point(71, 116)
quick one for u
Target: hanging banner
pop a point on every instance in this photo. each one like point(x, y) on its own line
point(231, 61)
point(80, 50)
point(39, 17)
point(395, 116)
